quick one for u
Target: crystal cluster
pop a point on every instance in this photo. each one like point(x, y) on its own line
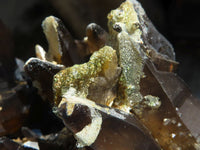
point(114, 90)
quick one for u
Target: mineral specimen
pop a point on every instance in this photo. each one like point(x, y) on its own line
point(63, 48)
point(137, 78)
point(42, 73)
point(105, 128)
point(130, 69)
point(100, 73)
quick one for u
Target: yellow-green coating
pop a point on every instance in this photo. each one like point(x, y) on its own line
point(132, 71)
point(130, 55)
point(81, 76)
point(126, 15)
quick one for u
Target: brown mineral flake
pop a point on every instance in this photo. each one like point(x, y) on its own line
point(164, 123)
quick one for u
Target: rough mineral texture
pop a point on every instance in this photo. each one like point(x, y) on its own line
point(116, 90)
point(105, 128)
point(127, 32)
point(100, 73)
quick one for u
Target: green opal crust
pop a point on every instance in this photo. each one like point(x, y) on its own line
point(127, 43)
point(102, 63)
point(132, 63)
